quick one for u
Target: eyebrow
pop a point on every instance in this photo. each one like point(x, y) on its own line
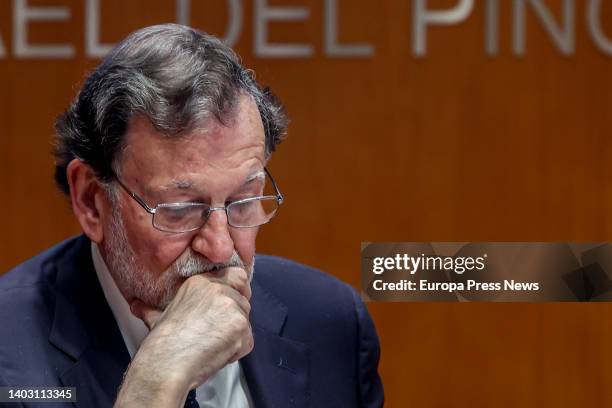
point(188, 184)
point(181, 184)
point(258, 175)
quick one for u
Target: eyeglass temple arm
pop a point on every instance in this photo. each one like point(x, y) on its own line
point(279, 195)
point(135, 197)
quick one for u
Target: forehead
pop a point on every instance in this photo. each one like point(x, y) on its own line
point(213, 151)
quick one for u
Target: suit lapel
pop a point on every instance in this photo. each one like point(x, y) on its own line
point(85, 329)
point(277, 369)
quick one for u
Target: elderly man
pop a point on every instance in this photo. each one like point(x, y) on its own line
point(162, 302)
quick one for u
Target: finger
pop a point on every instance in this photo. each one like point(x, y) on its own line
point(220, 279)
point(146, 313)
point(235, 277)
point(242, 302)
point(246, 347)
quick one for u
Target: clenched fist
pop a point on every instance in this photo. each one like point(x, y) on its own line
point(204, 328)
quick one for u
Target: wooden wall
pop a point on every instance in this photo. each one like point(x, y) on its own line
point(454, 146)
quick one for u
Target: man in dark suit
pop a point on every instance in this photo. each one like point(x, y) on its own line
point(162, 302)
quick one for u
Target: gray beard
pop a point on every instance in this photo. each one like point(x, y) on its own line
point(136, 281)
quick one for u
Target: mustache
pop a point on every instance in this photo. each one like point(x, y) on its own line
point(193, 264)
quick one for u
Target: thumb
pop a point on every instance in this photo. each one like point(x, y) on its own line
point(144, 312)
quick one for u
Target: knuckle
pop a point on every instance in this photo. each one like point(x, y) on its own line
point(226, 302)
point(249, 292)
point(250, 343)
point(217, 288)
point(245, 343)
point(239, 275)
point(240, 324)
point(193, 282)
point(242, 275)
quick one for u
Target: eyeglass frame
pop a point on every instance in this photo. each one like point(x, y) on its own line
point(152, 210)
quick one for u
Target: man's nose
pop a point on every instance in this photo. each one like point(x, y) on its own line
point(213, 240)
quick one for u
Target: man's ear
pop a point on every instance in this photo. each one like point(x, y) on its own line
point(89, 200)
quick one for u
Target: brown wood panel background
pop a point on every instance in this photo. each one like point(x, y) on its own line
point(455, 146)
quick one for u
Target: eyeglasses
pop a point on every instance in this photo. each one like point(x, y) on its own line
point(190, 216)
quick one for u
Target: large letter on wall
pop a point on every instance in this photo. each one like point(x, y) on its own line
point(22, 14)
point(421, 18)
point(563, 38)
point(595, 30)
point(183, 11)
point(2, 50)
point(93, 48)
point(491, 27)
point(332, 48)
point(263, 14)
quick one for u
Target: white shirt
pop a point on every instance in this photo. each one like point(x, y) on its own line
point(227, 388)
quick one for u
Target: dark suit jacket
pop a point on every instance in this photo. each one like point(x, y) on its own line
point(315, 344)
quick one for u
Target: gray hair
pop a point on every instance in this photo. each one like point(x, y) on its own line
point(177, 77)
